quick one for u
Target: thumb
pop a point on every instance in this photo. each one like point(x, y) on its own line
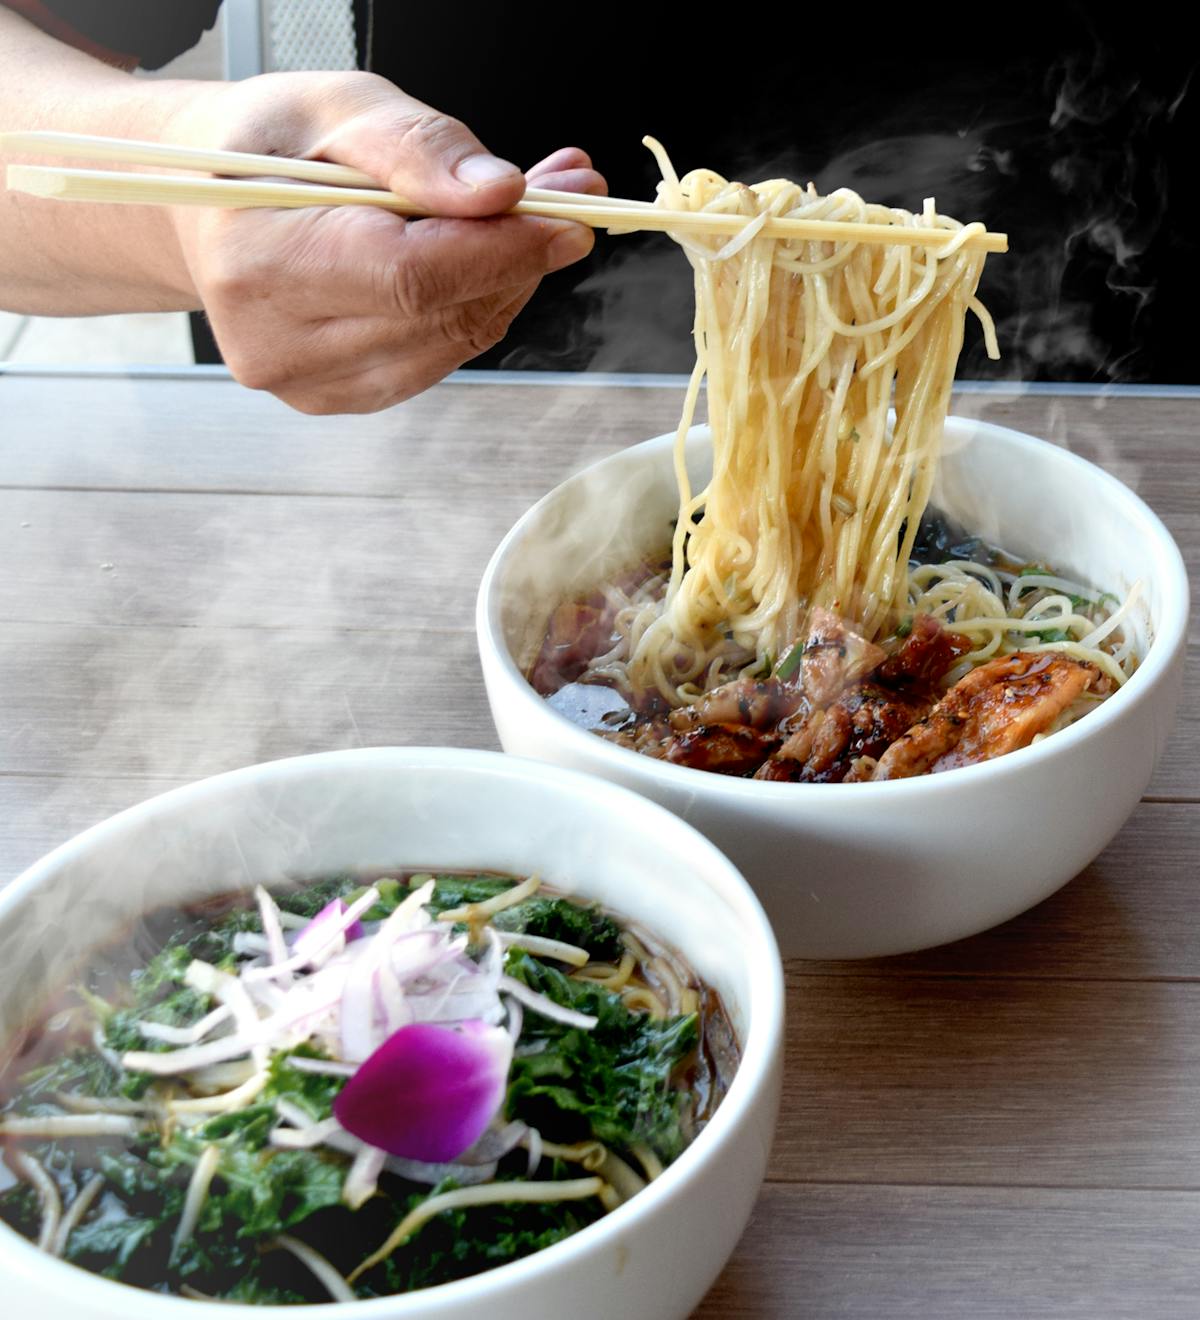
point(424, 155)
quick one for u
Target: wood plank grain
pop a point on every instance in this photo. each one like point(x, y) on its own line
point(1178, 773)
point(113, 433)
point(996, 1080)
point(240, 561)
point(212, 435)
point(283, 584)
point(38, 812)
point(935, 1253)
point(181, 703)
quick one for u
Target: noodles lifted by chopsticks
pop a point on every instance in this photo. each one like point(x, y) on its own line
point(814, 499)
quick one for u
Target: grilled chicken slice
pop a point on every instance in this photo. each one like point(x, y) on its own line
point(578, 631)
point(834, 658)
point(861, 723)
point(995, 709)
point(928, 653)
point(757, 703)
point(729, 749)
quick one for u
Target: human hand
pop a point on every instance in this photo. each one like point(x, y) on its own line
point(352, 309)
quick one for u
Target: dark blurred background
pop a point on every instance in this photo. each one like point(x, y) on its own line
point(1073, 130)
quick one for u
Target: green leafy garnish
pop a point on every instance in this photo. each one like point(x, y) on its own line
point(613, 1080)
point(616, 1084)
point(789, 666)
point(552, 918)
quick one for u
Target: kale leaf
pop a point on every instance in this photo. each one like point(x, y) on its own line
point(615, 1079)
point(551, 918)
point(265, 1192)
point(81, 1072)
point(458, 1243)
point(313, 1092)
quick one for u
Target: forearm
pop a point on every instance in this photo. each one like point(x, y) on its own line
point(60, 259)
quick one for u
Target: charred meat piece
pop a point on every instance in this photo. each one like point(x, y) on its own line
point(834, 658)
point(757, 703)
point(878, 717)
point(863, 722)
point(650, 735)
point(577, 632)
point(729, 749)
point(995, 709)
point(928, 653)
point(815, 753)
point(581, 630)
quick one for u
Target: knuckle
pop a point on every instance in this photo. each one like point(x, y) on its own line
point(232, 280)
point(477, 327)
point(258, 358)
point(418, 286)
point(256, 373)
point(426, 132)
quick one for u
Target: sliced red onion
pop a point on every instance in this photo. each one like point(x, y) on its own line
point(333, 931)
point(276, 945)
point(428, 1093)
point(314, 940)
point(356, 1015)
point(360, 1035)
point(456, 1004)
point(417, 952)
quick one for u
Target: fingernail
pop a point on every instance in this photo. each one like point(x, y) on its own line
point(479, 171)
point(574, 242)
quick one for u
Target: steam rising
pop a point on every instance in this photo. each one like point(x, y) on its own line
point(1076, 170)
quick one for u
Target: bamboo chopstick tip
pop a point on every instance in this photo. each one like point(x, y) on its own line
point(29, 179)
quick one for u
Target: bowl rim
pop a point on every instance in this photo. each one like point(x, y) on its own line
point(1166, 647)
point(759, 1062)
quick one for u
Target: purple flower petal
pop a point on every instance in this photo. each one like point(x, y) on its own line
point(428, 1093)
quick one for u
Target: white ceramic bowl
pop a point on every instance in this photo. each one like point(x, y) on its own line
point(653, 1257)
point(856, 870)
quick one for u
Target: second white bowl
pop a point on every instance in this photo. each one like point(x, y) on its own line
point(855, 870)
point(372, 810)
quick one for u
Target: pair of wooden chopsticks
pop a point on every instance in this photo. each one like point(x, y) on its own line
point(319, 183)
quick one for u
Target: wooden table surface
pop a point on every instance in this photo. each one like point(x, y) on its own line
point(195, 578)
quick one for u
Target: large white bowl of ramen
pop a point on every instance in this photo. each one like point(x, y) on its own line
point(858, 869)
point(647, 1247)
